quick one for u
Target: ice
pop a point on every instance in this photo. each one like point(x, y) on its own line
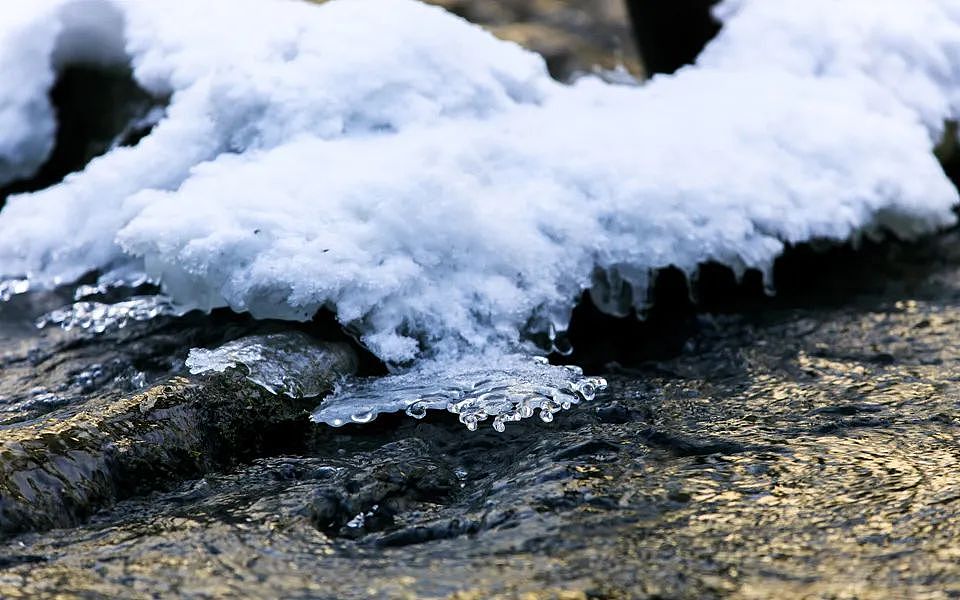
point(495, 386)
point(435, 188)
point(289, 363)
point(13, 287)
point(503, 388)
point(99, 317)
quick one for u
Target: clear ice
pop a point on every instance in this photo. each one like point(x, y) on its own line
point(289, 363)
point(500, 387)
point(100, 316)
point(504, 388)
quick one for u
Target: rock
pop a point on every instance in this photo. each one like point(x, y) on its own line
point(578, 36)
point(57, 470)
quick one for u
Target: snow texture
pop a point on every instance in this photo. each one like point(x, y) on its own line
point(436, 188)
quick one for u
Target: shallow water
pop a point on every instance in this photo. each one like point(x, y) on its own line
point(805, 451)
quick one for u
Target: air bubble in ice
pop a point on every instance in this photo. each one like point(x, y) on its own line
point(363, 417)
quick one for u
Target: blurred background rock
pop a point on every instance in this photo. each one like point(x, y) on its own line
point(574, 36)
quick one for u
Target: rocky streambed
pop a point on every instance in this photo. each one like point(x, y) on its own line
point(800, 447)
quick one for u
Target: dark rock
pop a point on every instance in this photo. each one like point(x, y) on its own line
point(57, 470)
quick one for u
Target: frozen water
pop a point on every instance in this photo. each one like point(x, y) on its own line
point(504, 388)
point(13, 287)
point(289, 363)
point(100, 316)
point(436, 189)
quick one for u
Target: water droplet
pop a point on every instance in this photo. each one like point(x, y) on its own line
point(357, 521)
point(562, 345)
point(545, 415)
point(363, 417)
point(588, 390)
point(417, 410)
point(498, 425)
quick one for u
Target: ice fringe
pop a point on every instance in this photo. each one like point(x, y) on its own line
point(505, 388)
point(436, 188)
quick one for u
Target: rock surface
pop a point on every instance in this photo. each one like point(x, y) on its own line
point(57, 467)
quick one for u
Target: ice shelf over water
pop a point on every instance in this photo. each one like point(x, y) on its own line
point(503, 388)
point(436, 188)
point(497, 386)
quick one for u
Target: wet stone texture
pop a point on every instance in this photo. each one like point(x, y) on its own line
point(806, 448)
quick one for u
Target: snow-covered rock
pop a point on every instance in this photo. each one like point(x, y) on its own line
point(437, 189)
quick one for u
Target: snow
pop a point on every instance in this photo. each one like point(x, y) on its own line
point(437, 189)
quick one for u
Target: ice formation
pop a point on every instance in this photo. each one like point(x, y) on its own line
point(504, 388)
point(101, 316)
point(288, 363)
point(432, 184)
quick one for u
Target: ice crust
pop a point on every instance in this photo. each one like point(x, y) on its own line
point(289, 363)
point(436, 188)
point(497, 386)
point(503, 388)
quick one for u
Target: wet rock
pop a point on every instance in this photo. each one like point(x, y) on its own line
point(360, 501)
point(57, 470)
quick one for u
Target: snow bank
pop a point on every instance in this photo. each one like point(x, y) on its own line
point(439, 191)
